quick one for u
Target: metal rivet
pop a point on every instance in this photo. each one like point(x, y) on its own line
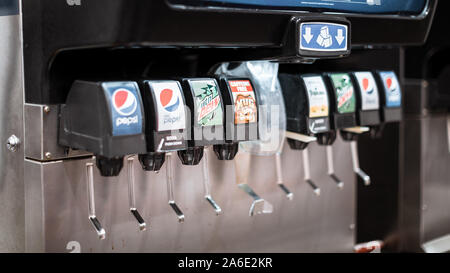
point(46, 109)
point(48, 155)
point(13, 143)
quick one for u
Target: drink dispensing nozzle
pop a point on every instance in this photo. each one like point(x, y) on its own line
point(345, 111)
point(308, 116)
point(110, 125)
point(241, 125)
point(205, 104)
point(166, 131)
point(253, 95)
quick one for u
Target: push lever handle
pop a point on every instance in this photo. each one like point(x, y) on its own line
point(279, 172)
point(356, 168)
point(169, 181)
point(131, 195)
point(242, 167)
point(91, 201)
point(330, 163)
point(259, 205)
point(206, 185)
point(306, 169)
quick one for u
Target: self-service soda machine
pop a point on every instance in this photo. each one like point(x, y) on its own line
point(214, 126)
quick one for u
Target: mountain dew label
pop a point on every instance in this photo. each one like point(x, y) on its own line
point(209, 110)
point(345, 93)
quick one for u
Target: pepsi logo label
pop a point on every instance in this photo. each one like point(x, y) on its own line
point(169, 101)
point(369, 91)
point(392, 89)
point(124, 102)
point(171, 113)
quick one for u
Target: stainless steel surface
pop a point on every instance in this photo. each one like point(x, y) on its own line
point(435, 178)
point(307, 171)
point(356, 168)
point(330, 164)
point(41, 134)
point(56, 206)
point(12, 225)
point(207, 186)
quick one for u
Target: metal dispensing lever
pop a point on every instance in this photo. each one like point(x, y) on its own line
point(131, 195)
point(206, 185)
point(330, 163)
point(279, 172)
point(91, 200)
point(355, 159)
point(169, 181)
point(306, 169)
point(242, 165)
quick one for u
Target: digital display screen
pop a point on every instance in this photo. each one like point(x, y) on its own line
point(392, 7)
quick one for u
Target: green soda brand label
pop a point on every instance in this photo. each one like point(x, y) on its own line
point(345, 93)
point(207, 99)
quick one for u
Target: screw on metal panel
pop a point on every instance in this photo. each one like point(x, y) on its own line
point(352, 226)
point(13, 143)
point(46, 109)
point(48, 155)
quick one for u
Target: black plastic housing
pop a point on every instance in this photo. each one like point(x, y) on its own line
point(198, 134)
point(338, 120)
point(388, 114)
point(297, 105)
point(86, 123)
point(365, 117)
point(233, 130)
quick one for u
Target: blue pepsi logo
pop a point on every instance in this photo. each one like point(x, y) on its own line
point(169, 101)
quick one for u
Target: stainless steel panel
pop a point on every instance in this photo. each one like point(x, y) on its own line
point(435, 162)
point(41, 134)
point(11, 123)
point(57, 208)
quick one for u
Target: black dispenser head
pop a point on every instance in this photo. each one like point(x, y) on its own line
point(391, 96)
point(205, 105)
point(241, 122)
point(368, 99)
point(307, 106)
point(166, 121)
point(105, 118)
point(343, 102)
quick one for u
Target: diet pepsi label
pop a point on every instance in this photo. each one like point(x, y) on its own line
point(170, 105)
point(125, 107)
point(369, 91)
point(391, 89)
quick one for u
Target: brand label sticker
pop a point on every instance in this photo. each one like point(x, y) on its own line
point(125, 103)
point(345, 93)
point(170, 106)
point(245, 110)
point(369, 91)
point(392, 89)
point(317, 96)
point(209, 110)
point(319, 125)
